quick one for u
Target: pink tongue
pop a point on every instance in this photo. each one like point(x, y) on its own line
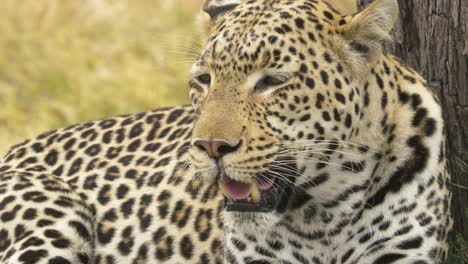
point(237, 190)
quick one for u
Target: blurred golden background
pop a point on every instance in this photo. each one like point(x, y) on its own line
point(63, 62)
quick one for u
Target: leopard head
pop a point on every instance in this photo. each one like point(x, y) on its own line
point(277, 91)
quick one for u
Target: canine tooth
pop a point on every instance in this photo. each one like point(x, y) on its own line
point(222, 186)
point(255, 193)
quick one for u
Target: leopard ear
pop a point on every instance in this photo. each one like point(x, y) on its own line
point(369, 29)
point(345, 7)
point(216, 8)
point(212, 10)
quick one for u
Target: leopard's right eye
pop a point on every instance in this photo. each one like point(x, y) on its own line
point(204, 79)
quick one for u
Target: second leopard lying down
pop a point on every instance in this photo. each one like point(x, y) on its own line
point(304, 144)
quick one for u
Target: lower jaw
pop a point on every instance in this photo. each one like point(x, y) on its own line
point(269, 201)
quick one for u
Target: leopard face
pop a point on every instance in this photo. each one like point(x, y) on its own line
point(276, 95)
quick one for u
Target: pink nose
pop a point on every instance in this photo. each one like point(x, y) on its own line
point(216, 148)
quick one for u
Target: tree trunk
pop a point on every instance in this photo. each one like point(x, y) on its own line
point(432, 37)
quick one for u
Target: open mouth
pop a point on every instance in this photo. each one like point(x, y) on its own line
point(248, 197)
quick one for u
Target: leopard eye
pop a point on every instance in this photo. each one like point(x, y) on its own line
point(204, 79)
point(269, 81)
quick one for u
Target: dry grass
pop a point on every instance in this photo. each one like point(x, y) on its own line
point(63, 62)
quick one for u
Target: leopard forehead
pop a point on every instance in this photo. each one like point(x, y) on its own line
point(273, 34)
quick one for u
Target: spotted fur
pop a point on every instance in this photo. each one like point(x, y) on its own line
point(352, 137)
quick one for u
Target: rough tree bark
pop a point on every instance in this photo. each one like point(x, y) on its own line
point(432, 37)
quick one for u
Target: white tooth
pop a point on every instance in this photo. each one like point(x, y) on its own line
point(255, 193)
point(222, 186)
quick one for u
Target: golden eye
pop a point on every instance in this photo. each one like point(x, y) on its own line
point(269, 81)
point(204, 79)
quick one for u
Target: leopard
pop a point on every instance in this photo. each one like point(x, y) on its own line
point(305, 142)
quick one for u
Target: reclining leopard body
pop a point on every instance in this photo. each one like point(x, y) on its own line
point(296, 94)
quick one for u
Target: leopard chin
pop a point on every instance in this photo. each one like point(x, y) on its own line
point(251, 222)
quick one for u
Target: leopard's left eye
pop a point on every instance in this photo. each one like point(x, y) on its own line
point(270, 81)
